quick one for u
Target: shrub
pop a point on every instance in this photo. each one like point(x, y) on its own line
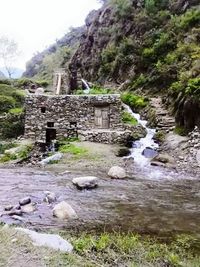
point(193, 87)
point(123, 8)
point(6, 103)
point(134, 101)
point(128, 118)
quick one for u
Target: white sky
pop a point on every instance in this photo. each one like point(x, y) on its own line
point(35, 24)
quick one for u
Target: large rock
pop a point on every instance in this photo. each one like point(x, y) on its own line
point(88, 182)
point(64, 211)
point(164, 158)
point(47, 240)
point(149, 152)
point(117, 172)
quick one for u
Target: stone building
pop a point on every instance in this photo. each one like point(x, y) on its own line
point(89, 117)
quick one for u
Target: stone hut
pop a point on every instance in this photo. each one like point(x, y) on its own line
point(90, 117)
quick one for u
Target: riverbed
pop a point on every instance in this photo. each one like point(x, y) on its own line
point(145, 204)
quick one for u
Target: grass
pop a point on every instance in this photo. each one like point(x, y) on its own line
point(73, 149)
point(105, 250)
point(128, 118)
point(21, 154)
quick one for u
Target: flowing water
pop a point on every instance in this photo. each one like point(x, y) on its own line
point(140, 145)
point(138, 203)
point(86, 85)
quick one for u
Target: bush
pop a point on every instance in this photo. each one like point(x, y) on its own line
point(6, 103)
point(12, 127)
point(134, 101)
point(128, 118)
point(193, 87)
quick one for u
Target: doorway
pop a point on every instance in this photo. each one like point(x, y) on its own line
point(50, 135)
point(102, 119)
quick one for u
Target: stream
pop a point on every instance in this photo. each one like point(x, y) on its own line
point(151, 200)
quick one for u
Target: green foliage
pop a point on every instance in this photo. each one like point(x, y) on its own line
point(128, 118)
point(6, 103)
point(193, 87)
point(180, 130)
point(134, 250)
point(6, 146)
point(24, 152)
point(7, 157)
point(134, 101)
point(189, 19)
point(16, 111)
point(123, 8)
point(96, 90)
point(12, 126)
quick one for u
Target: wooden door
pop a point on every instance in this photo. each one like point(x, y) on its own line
point(102, 117)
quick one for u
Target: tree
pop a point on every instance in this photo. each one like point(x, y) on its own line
point(8, 54)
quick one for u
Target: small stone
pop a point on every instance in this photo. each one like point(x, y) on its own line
point(25, 201)
point(88, 182)
point(50, 197)
point(31, 207)
point(117, 172)
point(15, 212)
point(64, 211)
point(8, 208)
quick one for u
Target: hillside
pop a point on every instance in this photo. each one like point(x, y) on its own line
point(149, 47)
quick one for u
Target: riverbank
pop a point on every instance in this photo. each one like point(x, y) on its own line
point(108, 250)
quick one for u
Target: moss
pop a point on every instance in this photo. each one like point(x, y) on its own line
point(16, 111)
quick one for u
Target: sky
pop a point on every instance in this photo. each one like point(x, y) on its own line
point(35, 24)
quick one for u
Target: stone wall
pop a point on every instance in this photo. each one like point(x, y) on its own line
point(68, 114)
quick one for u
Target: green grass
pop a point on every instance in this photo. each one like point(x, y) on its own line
point(128, 118)
point(102, 250)
point(73, 150)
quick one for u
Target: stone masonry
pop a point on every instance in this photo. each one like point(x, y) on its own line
point(90, 117)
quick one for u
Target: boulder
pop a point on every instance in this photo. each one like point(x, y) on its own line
point(117, 172)
point(64, 211)
point(149, 152)
point(47, 240)
point(164, 158)
point(87, 182)
point(24, 201)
